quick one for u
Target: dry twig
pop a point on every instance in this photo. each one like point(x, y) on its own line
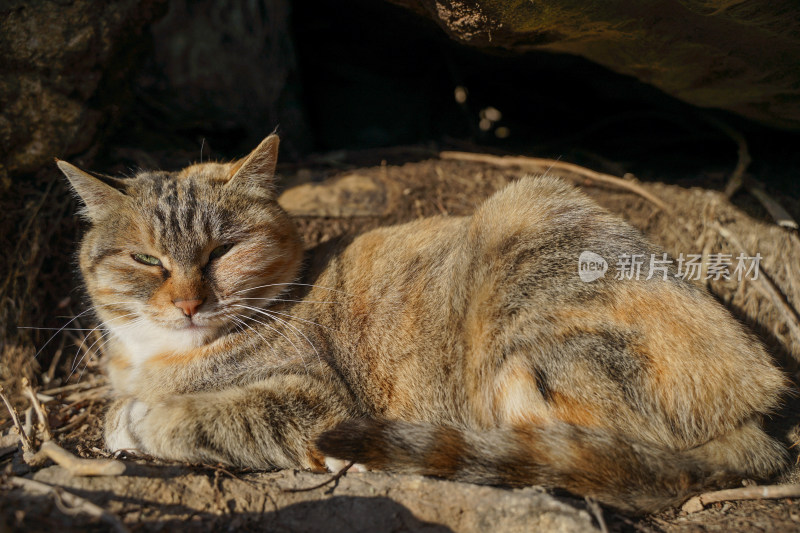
point(87, 395)
point(77, 419)
point(780, 215)
point(76, 503)
point(218, 469)
point(27, 446)
point(597, 511)
point(767, 287)
point(562, 168)
point(743, 161)
point(28, 426)
point(757, 492)
point(88, 384)
point(328, 481)
point(50, 450)
point(738, 178)
point(51, 371)
point(37, 406)
point(77, 466)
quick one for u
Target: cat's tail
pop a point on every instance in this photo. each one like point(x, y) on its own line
point(591, 462)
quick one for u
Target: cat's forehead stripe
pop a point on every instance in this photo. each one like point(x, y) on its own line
point(176, 216)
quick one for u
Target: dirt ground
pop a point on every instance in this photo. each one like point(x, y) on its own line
point(341, 193)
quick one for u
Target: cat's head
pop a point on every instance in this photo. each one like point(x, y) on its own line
point(174, 259)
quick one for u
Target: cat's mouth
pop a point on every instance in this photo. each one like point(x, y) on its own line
point(195, 324)
point(200, 332)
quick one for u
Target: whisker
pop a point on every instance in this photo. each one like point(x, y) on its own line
point(76, 317)
point(106, 337)
point(292, 283)
point(299, 353)
point(285, 300)
point(282, 321)
point(273, 329)
point(95, 329)
point(298, 318)
point(105, 334)
point(298, 331)
point(241, 323)
point(276, 331)
point(236, 326)
point(54, 329)
point(76, 364)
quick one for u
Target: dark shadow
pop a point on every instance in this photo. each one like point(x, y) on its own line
point(26, 512)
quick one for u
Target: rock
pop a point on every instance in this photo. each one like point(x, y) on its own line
point(64, 74)
point(227, 70)
point(9, 442)
point(202, 500)
point(353, 195)
point(738, 56)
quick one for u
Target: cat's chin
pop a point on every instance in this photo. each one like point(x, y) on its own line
point(188, 336)
point(197, 328)
point(145, 341)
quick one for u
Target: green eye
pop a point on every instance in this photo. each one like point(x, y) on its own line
point(145, 259)
point(219, 251)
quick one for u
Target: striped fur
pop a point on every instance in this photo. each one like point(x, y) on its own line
point(461, 347)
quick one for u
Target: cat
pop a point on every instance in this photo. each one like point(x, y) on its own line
point(466, 348)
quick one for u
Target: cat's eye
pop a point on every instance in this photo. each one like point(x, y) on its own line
point(219, 251)
point(145, 259)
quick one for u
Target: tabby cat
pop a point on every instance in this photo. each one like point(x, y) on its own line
point(466, 348)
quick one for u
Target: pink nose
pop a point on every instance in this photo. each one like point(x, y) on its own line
point(189, 306)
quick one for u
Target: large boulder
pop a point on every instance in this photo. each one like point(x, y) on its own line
point(727, 54)
point(225, 70)
point(64, 74)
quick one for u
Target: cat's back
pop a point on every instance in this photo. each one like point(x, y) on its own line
point(655, 353)
point(497, 301)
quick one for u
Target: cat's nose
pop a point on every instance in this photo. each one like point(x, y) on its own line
point(189, 306)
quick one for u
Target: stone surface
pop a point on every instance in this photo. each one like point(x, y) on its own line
point(199, 499)
point(733, 55)
point(64, 72)
point(352, 195)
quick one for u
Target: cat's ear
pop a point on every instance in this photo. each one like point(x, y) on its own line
point(99, 198)
point(258, 168)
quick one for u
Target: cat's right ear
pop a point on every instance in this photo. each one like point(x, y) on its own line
point(98, 197)
point(258, 168)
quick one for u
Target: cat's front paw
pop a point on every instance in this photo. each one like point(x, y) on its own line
point(122, 422)
point(336, 465)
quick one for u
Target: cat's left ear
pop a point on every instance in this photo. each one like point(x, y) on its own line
point(258, 168)
point(99, 198)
